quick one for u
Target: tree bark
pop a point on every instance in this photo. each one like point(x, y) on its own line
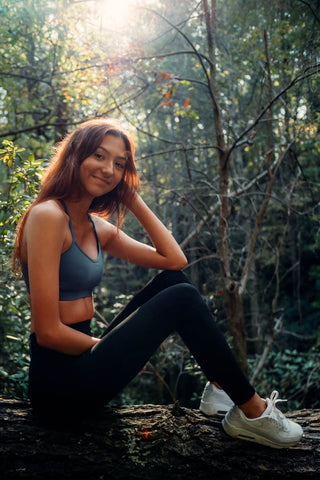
point(232, 299)
point(236, 324)
point(147, 442)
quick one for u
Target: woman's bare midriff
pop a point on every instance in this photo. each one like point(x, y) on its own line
point(74, 311)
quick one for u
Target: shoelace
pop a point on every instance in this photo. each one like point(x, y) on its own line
point(276, 413)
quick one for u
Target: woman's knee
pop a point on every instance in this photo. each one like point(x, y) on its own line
point(171, 277)
point(184, 295)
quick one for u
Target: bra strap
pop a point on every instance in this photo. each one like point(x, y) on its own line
point(70, 220)
point(95, 232)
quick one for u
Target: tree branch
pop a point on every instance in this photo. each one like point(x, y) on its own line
point(182, 52)
point(199, 56)
point(66, 122)
point(275, 325)
point(301, 76)
point(259, 218)
point(149, 442)
point(234, 194)
point(183, 148)
point(312, 10)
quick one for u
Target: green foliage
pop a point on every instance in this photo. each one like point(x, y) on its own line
point(21, 181)
point(294, 374)
point(15, 328)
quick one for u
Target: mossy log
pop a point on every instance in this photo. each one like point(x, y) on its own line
point(147, 442)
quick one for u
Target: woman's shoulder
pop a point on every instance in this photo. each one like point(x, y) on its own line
point(51, 207)
point(47, 212)
point(45, 228)
point(104, 228)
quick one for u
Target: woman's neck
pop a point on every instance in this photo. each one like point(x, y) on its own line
point(78, 209)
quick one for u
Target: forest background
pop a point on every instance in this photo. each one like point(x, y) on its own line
point(223, 100)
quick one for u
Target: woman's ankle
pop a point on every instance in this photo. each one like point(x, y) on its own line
point(216, 385)
point(254, 407)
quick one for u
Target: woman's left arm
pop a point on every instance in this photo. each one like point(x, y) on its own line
point(165, 253)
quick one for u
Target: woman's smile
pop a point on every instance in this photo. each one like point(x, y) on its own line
point(106, 166)
point(103, 180)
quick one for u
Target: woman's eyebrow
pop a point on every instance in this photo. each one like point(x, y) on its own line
point(107, 151)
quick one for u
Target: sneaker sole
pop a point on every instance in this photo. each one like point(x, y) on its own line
point(253, 437)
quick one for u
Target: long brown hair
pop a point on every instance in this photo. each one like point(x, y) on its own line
point(61, 178)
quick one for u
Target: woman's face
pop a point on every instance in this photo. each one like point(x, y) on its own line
point(102, 171)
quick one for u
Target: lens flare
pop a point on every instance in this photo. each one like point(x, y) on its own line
point(115, 12)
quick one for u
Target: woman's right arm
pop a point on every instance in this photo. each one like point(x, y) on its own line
point(44, 235)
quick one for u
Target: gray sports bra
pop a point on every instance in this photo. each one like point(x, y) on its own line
point(78, 273)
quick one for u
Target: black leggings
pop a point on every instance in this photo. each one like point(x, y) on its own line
point(168, 303)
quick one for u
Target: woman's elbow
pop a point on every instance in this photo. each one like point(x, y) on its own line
point(180, 263)
point(183, 264)
point(46, 338)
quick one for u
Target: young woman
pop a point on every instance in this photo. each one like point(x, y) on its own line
point(59, 244)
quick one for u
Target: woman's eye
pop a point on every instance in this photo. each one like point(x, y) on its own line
point(98, 156)
point(119, 165)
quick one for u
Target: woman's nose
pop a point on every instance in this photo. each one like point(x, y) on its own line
point(107, 167)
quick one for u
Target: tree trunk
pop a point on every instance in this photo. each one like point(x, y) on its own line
point(236, 325)
point(233, 301)
point(147, 442)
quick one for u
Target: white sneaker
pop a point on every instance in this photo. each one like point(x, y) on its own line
point(215, 401)
point(272, 428)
